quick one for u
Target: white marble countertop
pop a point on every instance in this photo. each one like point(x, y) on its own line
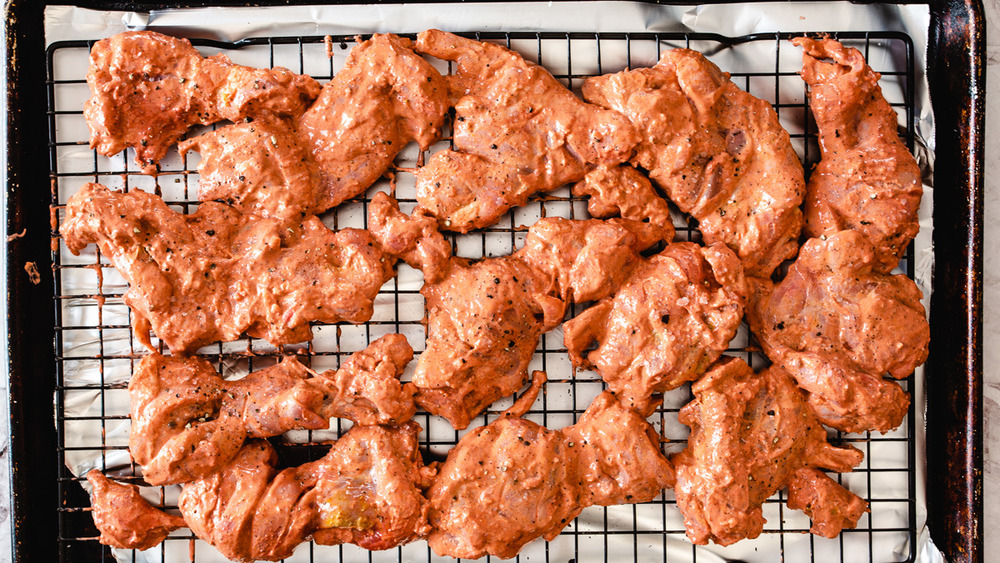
point(991, 343)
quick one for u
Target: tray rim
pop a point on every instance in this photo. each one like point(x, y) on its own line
point(954, 404)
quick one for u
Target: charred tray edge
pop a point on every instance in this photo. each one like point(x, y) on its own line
point(957, 80)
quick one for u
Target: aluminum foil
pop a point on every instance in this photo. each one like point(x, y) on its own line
point(64, 23)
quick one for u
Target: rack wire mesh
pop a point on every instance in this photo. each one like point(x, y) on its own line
point(96, 350)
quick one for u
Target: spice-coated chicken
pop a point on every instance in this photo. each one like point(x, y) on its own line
point(517, 131)
point(216, 273)
point(259, 167)
point(148, 89)
point(718, 152)
point(751, 435)
point(512, 481)
point(623, 191)
point(866, 180)
point(671, 318)
point(124, 518)
point(187, 422)
point(838, 326)
point(485, 318)
point(385, 96)
point(831, 507)
point(367, 491)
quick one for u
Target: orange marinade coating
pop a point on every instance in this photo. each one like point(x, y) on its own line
point(512, 481)
point(718, 152)
point(866, 180)
point(367, 491)
point(671, 318)
point(385, 96)
point(750, 434)
point(838, 326)
point(148, 89)
point(517, 131)
point(485, 317)
point(831, 507)
point(623, 191)
point(260, 167)
point(216, 274)
point(124, 518)
point(188, 422)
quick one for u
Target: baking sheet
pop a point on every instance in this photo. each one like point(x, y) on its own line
point(98, 361)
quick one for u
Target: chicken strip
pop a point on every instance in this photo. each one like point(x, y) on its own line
point(124, 518)
point(838, 326)
point(751, 435)
point(385, 96)
point(867, 180)
point(367, 491)
point(623, 191)
point(216, 273)
point(517, 131)
point(670, 319)
point(485, 318)
point(148, 89)
point(187, 422)
point(718, 152)
point(512, 481)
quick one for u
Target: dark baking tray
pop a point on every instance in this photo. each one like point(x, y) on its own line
point(954, 371)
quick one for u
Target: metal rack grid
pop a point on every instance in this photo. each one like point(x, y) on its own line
point(96, 350)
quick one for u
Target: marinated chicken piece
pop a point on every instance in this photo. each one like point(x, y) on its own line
point(148, 89)
point(517, 131)
point(367, 491)
point(511, 481)
point(617, 454)
point(502, 486)
point(216, 273)
point(751, 435)
point(718, 153)
point(838, 326)
point(623, 191)
point(259, 167)
point(867, 180)
point(485, 318)
point(124, 518)
point(831, 506)
point(588, 259)
point(385, 96)
point(413, 238)
point(671, 318)
point(187, 422)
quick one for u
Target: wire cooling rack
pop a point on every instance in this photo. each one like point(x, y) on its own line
point(96, 350)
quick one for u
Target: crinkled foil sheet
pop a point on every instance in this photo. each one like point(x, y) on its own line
point(97, 350)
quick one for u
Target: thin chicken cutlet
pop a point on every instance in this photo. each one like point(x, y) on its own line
point(719, 153)
point(217, 273)
point(517, 131)
point(148, 89)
